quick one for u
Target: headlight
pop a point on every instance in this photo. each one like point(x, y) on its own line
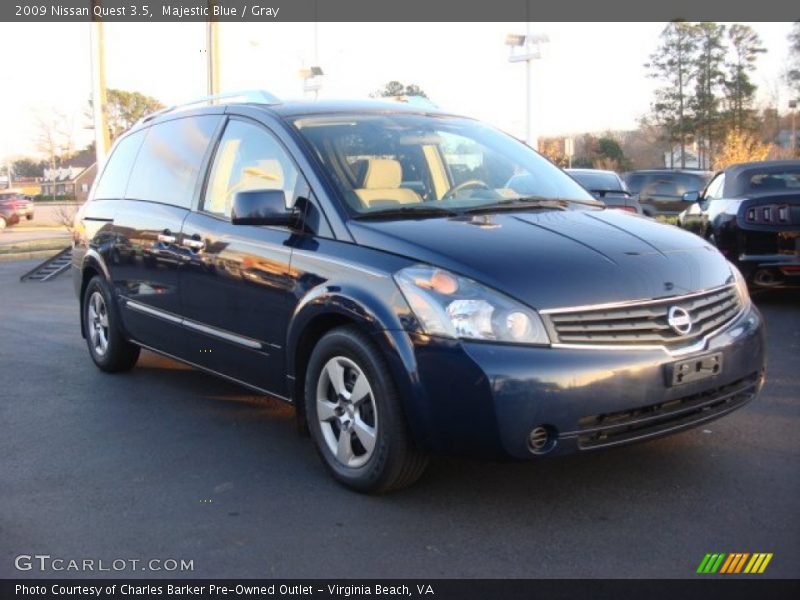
point(456, 307)
point(741, 286)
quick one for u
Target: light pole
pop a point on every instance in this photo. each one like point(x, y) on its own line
point(527, 48)
point(312, 76)
point(793, 141)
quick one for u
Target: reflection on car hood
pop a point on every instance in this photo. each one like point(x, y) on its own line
point(552, 259)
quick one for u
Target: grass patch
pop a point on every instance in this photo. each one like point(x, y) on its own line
point(54, 244)
point(669, 220)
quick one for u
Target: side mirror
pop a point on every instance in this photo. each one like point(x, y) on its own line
point(262, 207)
point(691, 196)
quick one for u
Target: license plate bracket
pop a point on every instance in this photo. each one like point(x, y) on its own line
point(694, 369)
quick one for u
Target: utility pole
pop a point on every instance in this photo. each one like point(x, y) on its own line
point(101, 137)
point(212, 51)
point(793, 141)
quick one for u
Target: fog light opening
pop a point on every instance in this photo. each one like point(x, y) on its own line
point(542, 439)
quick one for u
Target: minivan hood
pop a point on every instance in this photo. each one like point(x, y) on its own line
point(552, 259)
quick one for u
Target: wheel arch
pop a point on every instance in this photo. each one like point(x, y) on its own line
point(91, 266)
point(322, 311)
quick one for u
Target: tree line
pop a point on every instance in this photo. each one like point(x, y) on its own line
point(707, 97)
point(706, 101)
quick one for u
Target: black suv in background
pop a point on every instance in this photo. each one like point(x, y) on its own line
point(661, 191)
point(367, 262)
point(608, 187)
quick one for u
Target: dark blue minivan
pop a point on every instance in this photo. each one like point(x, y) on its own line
point(412, 281)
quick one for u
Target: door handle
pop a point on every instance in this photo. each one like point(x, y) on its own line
point(166, 237)
point(193, 244)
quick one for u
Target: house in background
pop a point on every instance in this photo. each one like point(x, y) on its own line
point(69, 181)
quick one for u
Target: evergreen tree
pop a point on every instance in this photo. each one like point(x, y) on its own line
point(709, 81)
point(674, 64)
point(745, 47)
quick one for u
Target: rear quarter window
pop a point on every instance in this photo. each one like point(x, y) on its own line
point(169, 161)
point(114, 179)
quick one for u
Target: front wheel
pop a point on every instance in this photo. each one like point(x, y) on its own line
point(108, 348)
point(354, 414)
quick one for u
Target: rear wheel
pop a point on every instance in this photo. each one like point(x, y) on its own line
point(354, 414)
point(108, 348)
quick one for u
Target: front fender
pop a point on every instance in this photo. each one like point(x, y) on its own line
point(373, 312)
point(387, 319)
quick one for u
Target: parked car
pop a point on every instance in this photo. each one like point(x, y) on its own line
point(751, 212)
point(8, 214)
point(661, 191)
point(325, 253)
point(21, 203)
point(608, 187)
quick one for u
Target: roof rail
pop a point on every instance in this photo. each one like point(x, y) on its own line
point(260, 96)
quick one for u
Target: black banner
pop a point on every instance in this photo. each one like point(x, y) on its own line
point(732, 588)
point(392, 10)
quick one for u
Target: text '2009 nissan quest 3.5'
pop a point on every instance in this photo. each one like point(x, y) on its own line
point(412, 281)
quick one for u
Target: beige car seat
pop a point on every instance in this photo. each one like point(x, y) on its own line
point(381, 182)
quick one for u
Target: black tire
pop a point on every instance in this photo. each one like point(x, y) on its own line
point(29, 217)
point(119, 354)
point(394, 461)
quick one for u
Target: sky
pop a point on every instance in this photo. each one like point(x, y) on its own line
point(590, 76)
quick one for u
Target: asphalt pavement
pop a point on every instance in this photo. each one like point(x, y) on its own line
point(166, 463)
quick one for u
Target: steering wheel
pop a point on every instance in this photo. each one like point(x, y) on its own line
point(469, 183)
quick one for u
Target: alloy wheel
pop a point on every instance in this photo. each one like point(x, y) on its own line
point(347, 412)
point(97, 322)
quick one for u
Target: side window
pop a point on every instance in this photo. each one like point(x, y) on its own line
point(112, 183)
point(168, 164)
point(248, 158)
point(714, 189)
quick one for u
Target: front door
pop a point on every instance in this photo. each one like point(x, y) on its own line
point(236, 289)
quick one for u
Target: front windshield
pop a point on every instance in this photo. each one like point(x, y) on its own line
point(386, 162)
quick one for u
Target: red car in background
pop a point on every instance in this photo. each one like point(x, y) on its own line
point(8, 213)
point(21, 204)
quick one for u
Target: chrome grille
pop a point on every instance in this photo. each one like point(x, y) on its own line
point(643, 323)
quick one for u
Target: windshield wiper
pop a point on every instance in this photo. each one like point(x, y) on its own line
point(520, 203)
point(406, 212)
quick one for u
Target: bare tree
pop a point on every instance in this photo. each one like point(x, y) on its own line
point(54, 139)
point(64, 215)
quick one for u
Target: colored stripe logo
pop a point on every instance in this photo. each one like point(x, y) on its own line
point(736, 562)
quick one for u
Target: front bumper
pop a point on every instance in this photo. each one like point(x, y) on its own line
point(484, 399)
